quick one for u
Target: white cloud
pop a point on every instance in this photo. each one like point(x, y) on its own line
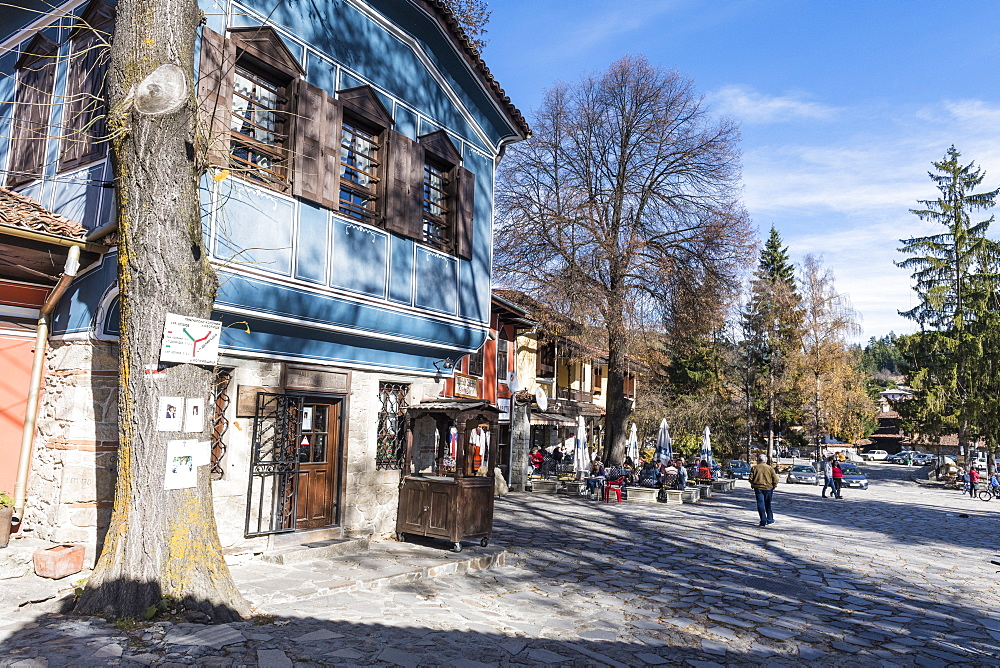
point(747, 105)
point(975, 111)
point(844, 192)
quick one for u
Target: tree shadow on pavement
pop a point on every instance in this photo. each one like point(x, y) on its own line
point(802, 579)
point(629, 584)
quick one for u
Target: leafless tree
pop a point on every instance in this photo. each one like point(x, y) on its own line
point(837, 402)
point(623, 211)
point(472, 15)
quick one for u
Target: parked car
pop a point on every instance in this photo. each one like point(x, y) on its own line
point(904, 457)
point(924, 458)
point(853, 476)
point(875, 455)
point(802, 473)
point(738, 469)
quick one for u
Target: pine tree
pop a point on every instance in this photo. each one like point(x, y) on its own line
point(953, 277)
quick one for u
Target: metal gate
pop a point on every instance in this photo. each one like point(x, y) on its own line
point(274, 464)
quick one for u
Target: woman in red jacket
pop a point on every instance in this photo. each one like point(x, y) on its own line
point(704, 471)
point(973, 481)
point(838, 479)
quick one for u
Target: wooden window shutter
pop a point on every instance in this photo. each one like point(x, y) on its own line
point(84, 133)
point(83, 116)
point(30, 122)
point(330, 168)
point(405, 186)
point(465, 192)
point(215, 94)
point(309, 146)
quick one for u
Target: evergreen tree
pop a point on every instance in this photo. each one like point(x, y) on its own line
point(774, 262)
point(881, 356)
point(772, 322)
point(954, 276)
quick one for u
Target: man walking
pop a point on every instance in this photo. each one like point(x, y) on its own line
point(828, 476)
point(763, 480)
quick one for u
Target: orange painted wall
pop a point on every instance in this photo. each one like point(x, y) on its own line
point(15, 361)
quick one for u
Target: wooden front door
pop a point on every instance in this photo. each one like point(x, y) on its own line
point(319, 464)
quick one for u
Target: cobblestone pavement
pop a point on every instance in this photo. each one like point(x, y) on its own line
point(896, 575)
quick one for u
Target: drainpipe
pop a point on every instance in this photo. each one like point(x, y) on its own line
point(102, 231)
point(31, 412)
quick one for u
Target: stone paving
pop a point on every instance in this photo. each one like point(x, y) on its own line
point(896, 575)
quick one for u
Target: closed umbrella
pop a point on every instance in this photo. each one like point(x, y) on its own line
point(582, 457)
point(664, 446)
point(632, 449)
point(706, 447)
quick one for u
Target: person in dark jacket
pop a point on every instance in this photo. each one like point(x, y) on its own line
point(828, 477)
point(649, 476)
point(763, 480)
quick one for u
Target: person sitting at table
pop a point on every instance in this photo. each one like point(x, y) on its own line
point(630, 467)
point(649, 475)
point(537, 457)
point(669, 476)
point(704, 472)
point(597, 477)
point(682, 473)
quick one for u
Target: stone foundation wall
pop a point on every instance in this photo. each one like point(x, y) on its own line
point(71, 488)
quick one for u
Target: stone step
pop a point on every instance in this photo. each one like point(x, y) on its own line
point(386, 563)
point(323, 549)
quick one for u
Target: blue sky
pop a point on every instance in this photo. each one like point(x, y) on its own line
point(842, 105)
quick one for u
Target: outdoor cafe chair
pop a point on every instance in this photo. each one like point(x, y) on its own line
point(614, 486)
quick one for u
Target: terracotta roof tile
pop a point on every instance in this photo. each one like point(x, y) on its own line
point(473, 53)
point(22, 212)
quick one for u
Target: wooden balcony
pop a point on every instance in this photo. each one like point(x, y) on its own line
point(574, 395)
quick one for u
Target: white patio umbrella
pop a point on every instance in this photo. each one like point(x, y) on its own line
point(582, 456)
point(706, 447)
point(632, 448)
point(664, 446)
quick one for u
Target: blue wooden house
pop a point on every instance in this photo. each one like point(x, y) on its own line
point(352, 147)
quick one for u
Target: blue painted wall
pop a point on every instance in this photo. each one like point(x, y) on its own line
point(315, 284)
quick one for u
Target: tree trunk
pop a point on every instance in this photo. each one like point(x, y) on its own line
point(618, 409)
point(161, 543)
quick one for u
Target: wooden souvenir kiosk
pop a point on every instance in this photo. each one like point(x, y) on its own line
point(447, 486)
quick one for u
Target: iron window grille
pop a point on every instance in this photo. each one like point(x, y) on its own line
point(359, 164)
point(220, 424)
point(391, 432)
point(437, 229)
point(258, 143)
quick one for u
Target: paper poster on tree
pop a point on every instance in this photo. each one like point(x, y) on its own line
point(191, 340)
